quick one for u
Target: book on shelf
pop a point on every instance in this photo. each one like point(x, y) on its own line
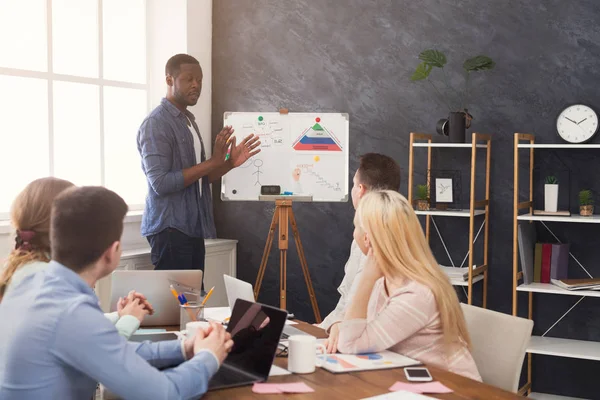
point(537, 266)
point(546, 258)
point(562, 213)
point(527, 240)
point(559, 261)
point(551, 261)
point(578, 284)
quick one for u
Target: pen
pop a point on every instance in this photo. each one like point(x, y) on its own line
point(190, 312)
point(208, 295)
point(174, 292)
point(182, 300)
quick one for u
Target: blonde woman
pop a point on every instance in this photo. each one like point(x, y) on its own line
point(30, 215)
point(404, 303)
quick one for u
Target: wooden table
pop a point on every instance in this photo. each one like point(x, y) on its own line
point(357, 385)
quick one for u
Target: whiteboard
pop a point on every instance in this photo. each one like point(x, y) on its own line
point(304, 153)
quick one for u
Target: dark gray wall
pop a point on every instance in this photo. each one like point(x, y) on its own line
point(356, 57)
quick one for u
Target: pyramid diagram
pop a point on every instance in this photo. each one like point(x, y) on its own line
point(317, 138)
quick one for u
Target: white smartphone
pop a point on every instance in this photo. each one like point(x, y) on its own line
point(417, 374)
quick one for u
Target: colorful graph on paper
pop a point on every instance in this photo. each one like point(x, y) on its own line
point(367, 361)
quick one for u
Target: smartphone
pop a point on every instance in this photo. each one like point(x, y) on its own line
point(418, 374)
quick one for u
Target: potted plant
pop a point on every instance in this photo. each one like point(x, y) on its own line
point(586, 203)
point(551, 194)
point(422, 198)
point(459, 118)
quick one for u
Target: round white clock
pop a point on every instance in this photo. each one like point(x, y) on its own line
point(577, 123)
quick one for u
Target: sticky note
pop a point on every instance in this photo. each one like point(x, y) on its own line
point(428, 387)
point(271, 388)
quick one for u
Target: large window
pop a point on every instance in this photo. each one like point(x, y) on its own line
point(73, 93)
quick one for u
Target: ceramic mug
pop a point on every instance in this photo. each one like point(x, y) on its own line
point(193, 326)
point(302, 354)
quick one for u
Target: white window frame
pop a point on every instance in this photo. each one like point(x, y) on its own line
point(50, 76)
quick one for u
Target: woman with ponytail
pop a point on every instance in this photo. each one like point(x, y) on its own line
point(405, 302)
point(30, 216)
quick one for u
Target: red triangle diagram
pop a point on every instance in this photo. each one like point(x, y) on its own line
point(317, 138)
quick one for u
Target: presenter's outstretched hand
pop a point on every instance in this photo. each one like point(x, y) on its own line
point(247, 148)
point(222, 143)
point(216, 339)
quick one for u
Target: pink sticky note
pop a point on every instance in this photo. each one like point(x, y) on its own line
point(428, 387)
point(297, 387)
point(273, 388)
point(266, 388)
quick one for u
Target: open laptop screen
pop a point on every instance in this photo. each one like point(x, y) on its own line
point(255, 329)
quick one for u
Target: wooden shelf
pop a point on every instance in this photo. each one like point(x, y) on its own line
point(450, 213)
point(553, 289)
point(558, 146)
point(450, 145)
point(574, 218)
point(580, 349)
point(545, 396)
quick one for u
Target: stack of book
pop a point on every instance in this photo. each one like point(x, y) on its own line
point(541, 262)
point(578, 284)
point(456, 272)
point(550, 262)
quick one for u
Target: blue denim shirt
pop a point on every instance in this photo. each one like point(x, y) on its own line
point(55, 343)
point(166, 146)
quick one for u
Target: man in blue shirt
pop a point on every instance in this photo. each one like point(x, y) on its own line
point(178, 212)
point(56, 343)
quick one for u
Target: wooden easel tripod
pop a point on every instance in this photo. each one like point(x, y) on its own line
point(283, 212)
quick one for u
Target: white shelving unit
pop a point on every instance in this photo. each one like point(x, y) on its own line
point(476, 208)
point(553, 289)
point(594, 219)
point(450, 145)
point(549, 346)
point(556, 146)
point(569, 348)
point(545, 396)
point(451, 213)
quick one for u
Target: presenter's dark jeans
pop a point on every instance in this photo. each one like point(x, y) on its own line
point(172, 249)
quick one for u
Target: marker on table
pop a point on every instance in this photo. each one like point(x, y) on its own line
point(208, 295)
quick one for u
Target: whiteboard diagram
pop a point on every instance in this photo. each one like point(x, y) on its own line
point(304, 153)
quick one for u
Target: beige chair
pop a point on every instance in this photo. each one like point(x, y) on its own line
point(498, 342)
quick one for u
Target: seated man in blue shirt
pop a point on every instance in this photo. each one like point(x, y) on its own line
point(56, 343)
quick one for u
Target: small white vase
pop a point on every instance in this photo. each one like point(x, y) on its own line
point(550, 197)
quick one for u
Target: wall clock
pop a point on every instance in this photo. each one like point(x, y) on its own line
point(577, 123)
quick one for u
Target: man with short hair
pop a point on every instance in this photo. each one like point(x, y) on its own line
point(178, 212)
point(375, 172)
point(56, 343)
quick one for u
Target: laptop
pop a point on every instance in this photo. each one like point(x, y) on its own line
point(155, 286)
point(238, 289)
point(255, 329)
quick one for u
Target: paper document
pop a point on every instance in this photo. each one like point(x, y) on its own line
point(278, 371)
point(365, 362)
point(427, 387)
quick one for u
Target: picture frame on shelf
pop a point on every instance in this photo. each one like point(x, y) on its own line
point(446, 189)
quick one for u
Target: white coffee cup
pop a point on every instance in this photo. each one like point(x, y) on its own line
point(302, 354)
point(193, 326)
